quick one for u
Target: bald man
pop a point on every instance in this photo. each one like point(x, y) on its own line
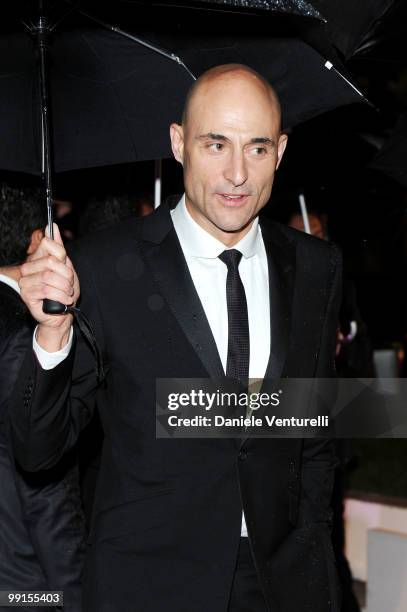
point(203, 290)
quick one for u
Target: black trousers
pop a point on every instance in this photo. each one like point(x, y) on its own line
point(246, 594)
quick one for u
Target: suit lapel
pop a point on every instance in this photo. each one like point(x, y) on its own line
point(162, 253)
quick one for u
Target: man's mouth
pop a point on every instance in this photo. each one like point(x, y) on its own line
point(230, 199)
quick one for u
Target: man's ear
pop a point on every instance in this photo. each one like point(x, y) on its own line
point(35, 240)
point(282, 143)
point(177, 142)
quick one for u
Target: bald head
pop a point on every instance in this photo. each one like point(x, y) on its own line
point(236, 75)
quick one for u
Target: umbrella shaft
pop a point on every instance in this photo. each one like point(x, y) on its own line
point(42, 32)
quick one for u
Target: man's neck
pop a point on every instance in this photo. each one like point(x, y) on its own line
point(12, 272)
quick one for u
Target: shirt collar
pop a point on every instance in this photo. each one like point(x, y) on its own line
point(7, 280)
point(197, 242)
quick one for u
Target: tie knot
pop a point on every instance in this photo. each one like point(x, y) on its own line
point(231, 258)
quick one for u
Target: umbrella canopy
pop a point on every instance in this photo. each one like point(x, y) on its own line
point(112, 99)
point(271, 18)
point(351, 26)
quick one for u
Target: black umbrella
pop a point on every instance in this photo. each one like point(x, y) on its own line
point(112, 99)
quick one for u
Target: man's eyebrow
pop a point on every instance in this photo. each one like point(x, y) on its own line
point(263, 140)
point(212, 136)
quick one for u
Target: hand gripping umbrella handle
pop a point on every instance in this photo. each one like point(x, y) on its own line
point(53, 308)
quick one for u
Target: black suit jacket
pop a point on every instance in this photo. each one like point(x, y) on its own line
point(167, 512)
point(42, 535)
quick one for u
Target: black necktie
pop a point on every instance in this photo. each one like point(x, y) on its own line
point(237, 365)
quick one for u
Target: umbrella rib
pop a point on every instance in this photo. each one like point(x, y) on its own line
point(54, 25)
point(140, 41)
point(330, 66)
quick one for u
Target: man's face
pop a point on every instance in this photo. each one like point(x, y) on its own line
point(230, 148)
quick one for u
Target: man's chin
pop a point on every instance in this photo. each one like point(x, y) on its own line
point(235, 221)
point(234, 226)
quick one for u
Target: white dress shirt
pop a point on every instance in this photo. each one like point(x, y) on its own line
point(47, 360)
point(208, 272)
point(201, 251)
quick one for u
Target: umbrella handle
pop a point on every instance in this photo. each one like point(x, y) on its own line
point(52, 307)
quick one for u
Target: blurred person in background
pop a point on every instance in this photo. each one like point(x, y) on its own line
point(101, 213)
point(41, 521)
point(64, 215)
point(354, 355)
point(317, 223)
point(144, 204)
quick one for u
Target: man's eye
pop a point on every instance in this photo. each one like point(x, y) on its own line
point(259, 151)
point(215, 146)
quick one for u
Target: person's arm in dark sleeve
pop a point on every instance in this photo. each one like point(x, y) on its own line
point(49, 408)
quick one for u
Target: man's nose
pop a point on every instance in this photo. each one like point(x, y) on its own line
point(236, 170)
